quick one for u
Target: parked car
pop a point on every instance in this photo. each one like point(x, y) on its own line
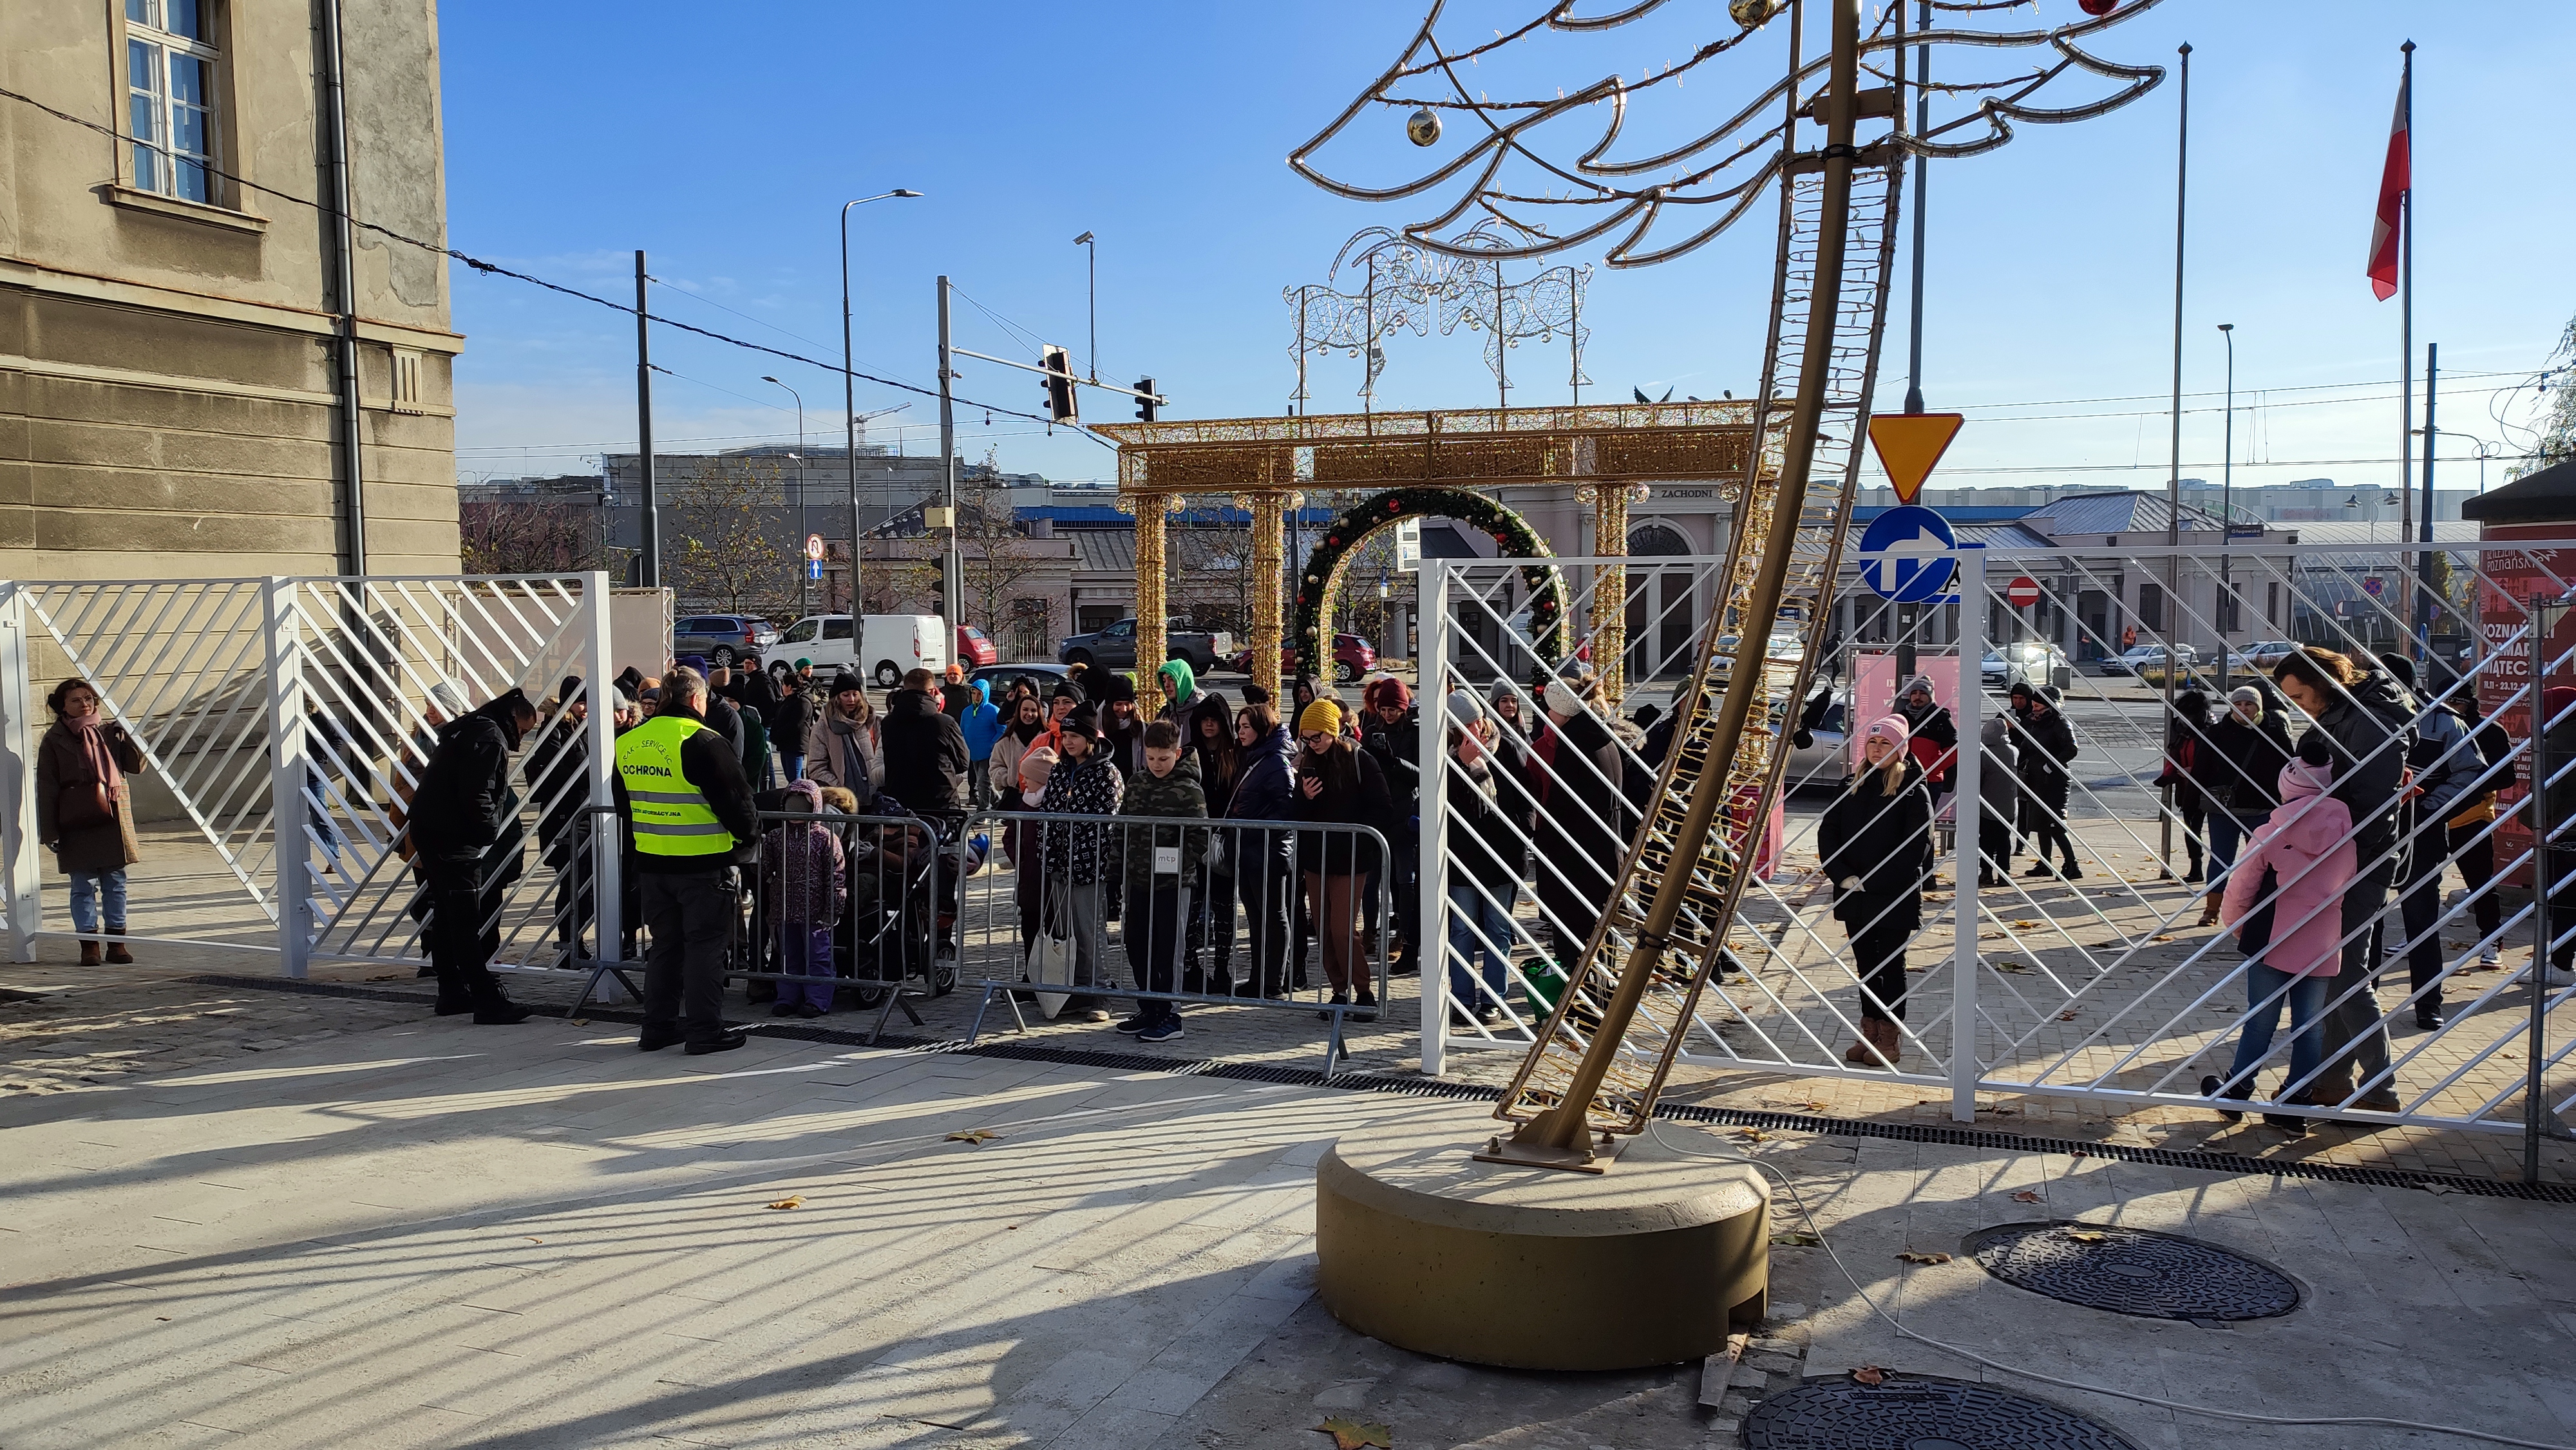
point(2034, 662)
point(1822, 763)
point(2151, 657)
point(974, 651)
point(722, 638)
point(1114, 648)
point(1352, 658)
point(893, 644)
point(998, 678)
point(2264, 655)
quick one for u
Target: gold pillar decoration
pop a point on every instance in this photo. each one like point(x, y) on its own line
point(1610, 590)
point(1269, 563)
point(1150, 605)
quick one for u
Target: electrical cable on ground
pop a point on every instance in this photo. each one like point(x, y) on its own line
point(1816, 1226)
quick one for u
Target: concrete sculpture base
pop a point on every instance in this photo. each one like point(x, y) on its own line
point(1534, 1268)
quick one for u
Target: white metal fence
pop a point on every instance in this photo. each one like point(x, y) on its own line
point(287, 720)
point(2102, 986)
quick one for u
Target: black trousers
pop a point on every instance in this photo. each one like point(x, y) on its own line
point(1158, 919)
point(459, 949)
point(2421, 910)
point(1995, 842)
point(691, 917)
point(1266, 885)
point(1878, 959)
point(2476, 851)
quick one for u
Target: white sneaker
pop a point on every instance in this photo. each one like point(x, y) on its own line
point(2488, 958)
point(2558, 977)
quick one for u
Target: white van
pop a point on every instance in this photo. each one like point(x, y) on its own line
point(893, 645)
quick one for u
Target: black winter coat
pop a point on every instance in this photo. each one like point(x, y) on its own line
point(2368, 733)
point(1362, 801)
point(2239, 765)
point(2047, 743)
point(925, 753)
point(465, 802)
point(1489, 819)
point(1886, 843)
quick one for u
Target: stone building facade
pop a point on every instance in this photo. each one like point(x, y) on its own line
point(172, 393)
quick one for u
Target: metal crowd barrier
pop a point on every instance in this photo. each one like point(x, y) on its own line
point(1201, 914)
point(893, 939)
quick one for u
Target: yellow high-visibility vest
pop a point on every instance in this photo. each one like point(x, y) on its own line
point(671, 817)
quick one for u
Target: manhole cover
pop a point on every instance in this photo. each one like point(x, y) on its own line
point(2133, 1271)
point(1918, 1414)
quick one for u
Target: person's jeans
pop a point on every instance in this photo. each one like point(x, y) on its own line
point(2475, 848)
point(795, 767)
point(979, 783)
point(2226, 835)
point(805, 950)
point(2264, 998)
point(1157, 921)
point(1480, 946)
point(690, 915)
point(1263, 881)
point(89, 889)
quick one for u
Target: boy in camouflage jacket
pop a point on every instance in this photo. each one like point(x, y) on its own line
point(1158, 864)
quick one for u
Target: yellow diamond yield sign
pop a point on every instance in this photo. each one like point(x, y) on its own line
point(1908, 444)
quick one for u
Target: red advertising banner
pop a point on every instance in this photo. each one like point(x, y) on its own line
point(2514, 577)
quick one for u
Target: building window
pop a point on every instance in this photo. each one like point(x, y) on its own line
point(2231, 610)
point(2151, 607)
point(2272, 603)
point(170, 97)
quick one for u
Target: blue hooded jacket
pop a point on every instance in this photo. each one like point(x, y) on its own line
point(983, 723)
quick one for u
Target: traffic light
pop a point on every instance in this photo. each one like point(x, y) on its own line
point(1062, 405)
point(1146, 406)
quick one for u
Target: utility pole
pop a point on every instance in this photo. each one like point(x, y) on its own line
point(652, 520)
point(804, 569)
point(2424, 560)
point(2226, 610)
point(1909, 616)
point(2169, 620)
point(1092, 247)
point(951, 585)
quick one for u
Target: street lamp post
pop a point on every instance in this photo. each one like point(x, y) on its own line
point(804, 601)
point(849, 398)
point(1093, 249)
point(2226, 510)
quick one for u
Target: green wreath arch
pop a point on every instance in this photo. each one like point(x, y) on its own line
point(1510, 532)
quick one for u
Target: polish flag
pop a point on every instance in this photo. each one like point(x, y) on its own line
point(2394, 179)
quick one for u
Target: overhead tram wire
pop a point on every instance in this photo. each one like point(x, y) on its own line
point(745, 316)
point(495, 269)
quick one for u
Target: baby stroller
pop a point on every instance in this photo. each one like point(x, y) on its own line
point(901, 921)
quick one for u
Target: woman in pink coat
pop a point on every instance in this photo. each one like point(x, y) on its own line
point(2282, 902)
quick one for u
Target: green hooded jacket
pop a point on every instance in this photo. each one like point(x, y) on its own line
point(1185, 691)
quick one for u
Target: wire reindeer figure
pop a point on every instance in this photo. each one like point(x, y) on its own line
point(1513, 163)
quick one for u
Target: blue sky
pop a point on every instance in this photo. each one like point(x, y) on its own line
point(723, 140)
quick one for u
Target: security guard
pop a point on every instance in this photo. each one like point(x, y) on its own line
point(689, 818)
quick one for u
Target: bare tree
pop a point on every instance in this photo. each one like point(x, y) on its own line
point(550, 537)
point(726, 540)
point(2557, 441)
point(993, 556)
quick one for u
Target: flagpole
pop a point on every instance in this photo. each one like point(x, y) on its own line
point(2169, 619)
point(2406, 325)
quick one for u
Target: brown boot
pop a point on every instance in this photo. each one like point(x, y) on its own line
point(2209, 907)
point(1864, 1052)
point(1889, 1039)
point(89, 952)
point(117, 955)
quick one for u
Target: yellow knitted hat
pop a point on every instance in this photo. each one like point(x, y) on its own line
point(1322, 715)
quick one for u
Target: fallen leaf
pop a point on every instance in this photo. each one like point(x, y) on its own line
point(2066, 1016)
point(1350, 1434)
point(1753, 1135)
point(2025, 926)
point(2087, 1236)
point(1795, 1240)
point(2011, 967)
point(2029, 1195)
point(2160, 938)
point(793, 1200)
point(532, 1238)
point(1912, 1257)
point(1870, 1374)
point(581, 1022)
point(974, 1135)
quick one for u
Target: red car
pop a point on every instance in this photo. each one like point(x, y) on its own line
point(974, 651)
point(1352, 658)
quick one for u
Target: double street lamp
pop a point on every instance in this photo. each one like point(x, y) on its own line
point(849, 381)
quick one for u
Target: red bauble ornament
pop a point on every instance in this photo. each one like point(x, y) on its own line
point(1394, 506)
point(2097, 7)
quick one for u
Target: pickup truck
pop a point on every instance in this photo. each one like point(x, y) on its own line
point(1114, 648)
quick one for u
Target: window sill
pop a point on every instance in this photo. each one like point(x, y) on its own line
point(190, 211)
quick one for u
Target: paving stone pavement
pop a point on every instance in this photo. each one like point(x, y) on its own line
point(416, 1232)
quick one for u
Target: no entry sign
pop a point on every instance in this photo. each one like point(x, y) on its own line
point(2022, 593)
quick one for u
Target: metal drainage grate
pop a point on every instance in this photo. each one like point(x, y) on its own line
point(2133, 1271)
point(1919, 1414)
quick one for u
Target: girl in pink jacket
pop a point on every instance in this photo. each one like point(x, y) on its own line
point(2284, 903)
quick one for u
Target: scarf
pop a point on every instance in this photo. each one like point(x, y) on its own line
point(102, 761)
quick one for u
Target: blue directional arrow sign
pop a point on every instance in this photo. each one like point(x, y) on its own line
point(1892, 550)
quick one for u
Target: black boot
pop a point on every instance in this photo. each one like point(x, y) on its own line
point(454, 997)
point(2240, 1092)
point(493, 1007)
